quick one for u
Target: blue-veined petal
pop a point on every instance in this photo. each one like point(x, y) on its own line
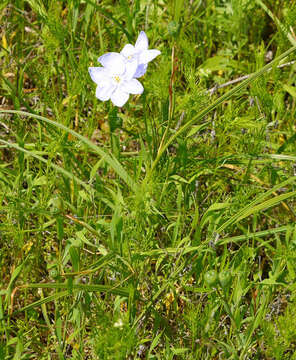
point(119, 97)
point(97, 74)
point(103, 58)
point(132, 87)
point(142, 42)
point(128, 51)
point(130, 69)
point(113, 62)
point(141, 69)
point(104, 93)
point(147, 55)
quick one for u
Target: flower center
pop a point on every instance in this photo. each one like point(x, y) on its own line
point(117, 79)
point(130, 57)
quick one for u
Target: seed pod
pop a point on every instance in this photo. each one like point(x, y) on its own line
point(53, 273)
point(211, 278)
point(225, 278)
point(56, 205)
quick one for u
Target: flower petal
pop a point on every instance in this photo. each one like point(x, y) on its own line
point(104, 93)
point(130, 69)
point(113, 62)
point(147, 55)
point(142, 42)
point(119, 97)
point(97, 74)
point(132, 87)
point(128, 51)
point(141, 69)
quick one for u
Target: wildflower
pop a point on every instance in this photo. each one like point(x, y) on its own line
point(118, 76)
point(115, 80)
point(140, 53)
point(118, 323)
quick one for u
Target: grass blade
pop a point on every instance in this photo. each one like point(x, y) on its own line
point(114, 163)
point(249, 209)
point(211, 107)
point(54, 166)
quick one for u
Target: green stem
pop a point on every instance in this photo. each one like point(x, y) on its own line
point(114, 140)
point(230, 314)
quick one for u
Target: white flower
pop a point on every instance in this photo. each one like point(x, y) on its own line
point(118, 323)
point(140, 53)
point(115, 80)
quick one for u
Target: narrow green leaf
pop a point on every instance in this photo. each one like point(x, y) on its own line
point(267, 204)
point(83, 287)
point(257, 234)
point(277, 21)
point(155, 342)
point(109, 16)
point(43, 301)
point(57, 168)
point(211, 107)
point(113, 162)
point(248, 208)
point(14, 276)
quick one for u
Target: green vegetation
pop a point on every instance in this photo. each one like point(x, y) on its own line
point(164, 229)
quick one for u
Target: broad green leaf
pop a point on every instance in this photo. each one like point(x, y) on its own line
point(217, 63)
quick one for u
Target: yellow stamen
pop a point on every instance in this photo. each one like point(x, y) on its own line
point(117, 78)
